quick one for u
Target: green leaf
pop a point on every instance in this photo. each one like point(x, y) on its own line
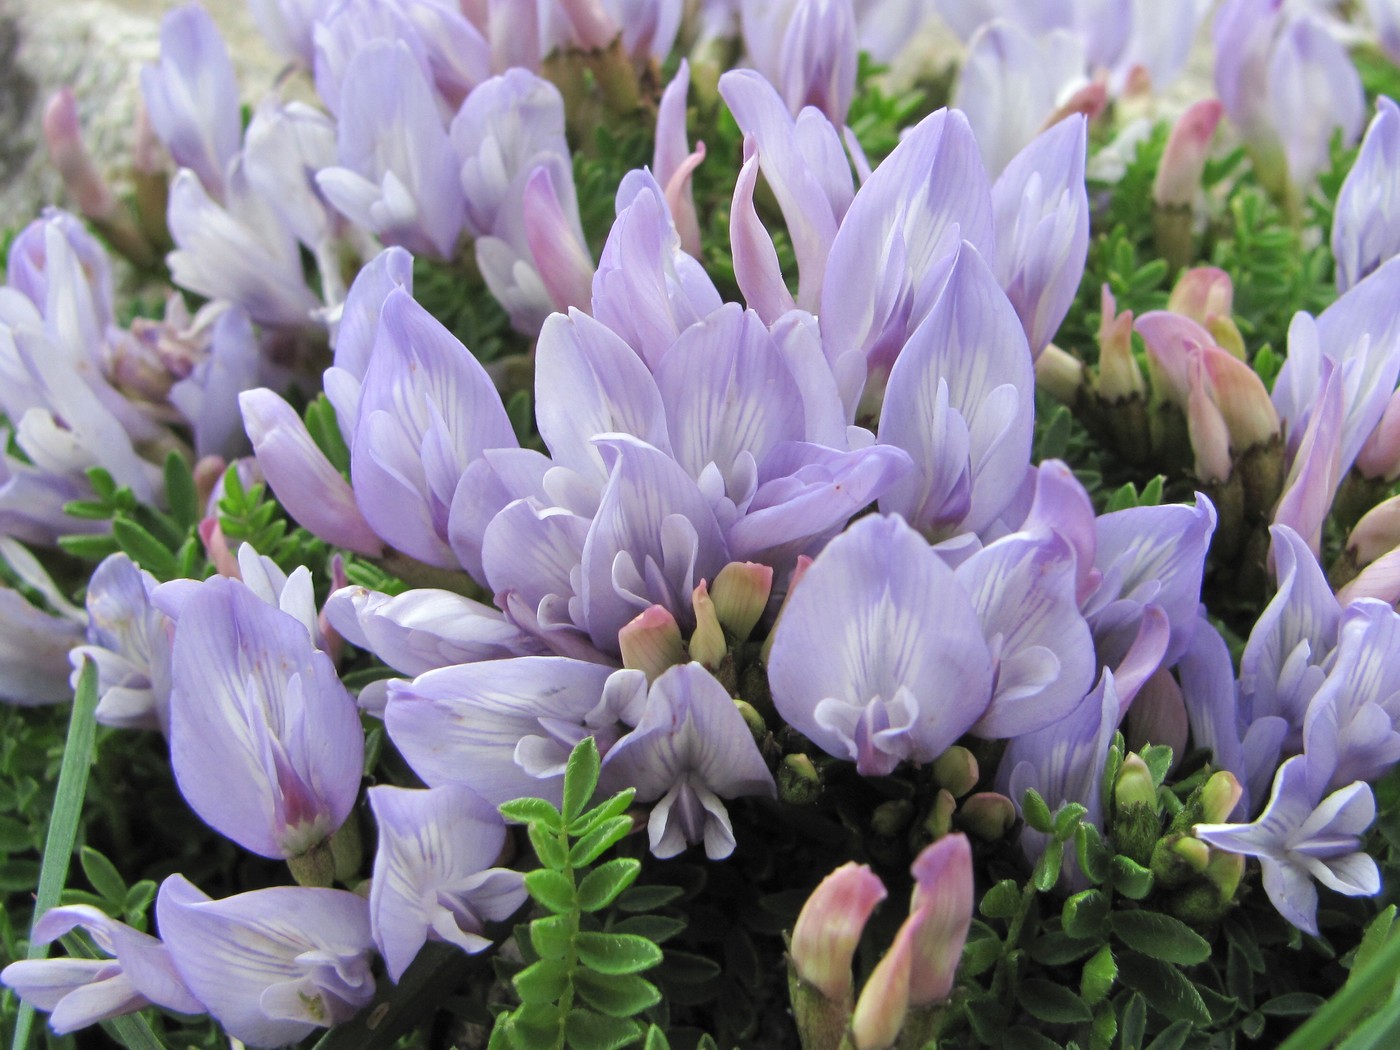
point(180, 492)
point(1152, 492)
point(1023, 1038)
point(606, 810)
point(1002, 901)
point(325, 431)
point(532, 811)
point(1164, 988)
point(1160, 936)
point(580, 778)
point(624, 996)
point(1173, 1037)
point(1130, 878)
point(1035, 812)
point(549, 847)
point(103, 875)
point(89, 548)
point(1047, 868)
point(1378, 930)
point(1085, 913)
point(656, 928)
point(1098, 976)
point(602, 885)
point(616, 953)
point(979, 955)
point(688, 968)
point(1057, 948)
point(656, 1039)
point(1158, 759)
point(586, 1030)
point(649, 898)
point(551, 936)
point(1051, 1002)
point(598, 841)
point(1067, 819)
point(553, 889)
point(542, 982)
point(1134, 1025)
point(144, 549)
point(1293, 1004)
point(1092, 854)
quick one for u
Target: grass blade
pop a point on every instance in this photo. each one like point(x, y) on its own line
point(1350, 1003)
point(63, 834)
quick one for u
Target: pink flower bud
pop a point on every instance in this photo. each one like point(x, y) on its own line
point(1377, 533)
point(1380, 456)
point(829, 928)
point(1119, 374)
point(941, 912)
point(1203, 293)
point(1183, 163)
point(1242, 398)
point(884, 1001)
point(707, 644)
point(1379, 580)
point(651, 642)
point(216, 548)
point(64, 138)
point(740, 595)
point(1210, 437)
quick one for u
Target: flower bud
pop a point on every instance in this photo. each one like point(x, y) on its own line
point(1210, 437)
point(740, 595)
point(1119, 374)
point(988, 815)
point(884, 1001)
point(753, 720)
point(1184, 160)
point(707, 645)
point(1135, 785)
point(941, 912)
point(1244, 402)
point(1194, 852)
point(956, 769)
point(892, 817)
point(1380, 456)
point(1059, 374)
point(1206, 295)
point(651, 642)
point(940, 816)
point(828, 929)
point(1219, 797)
point(1225, 870)
point(799, 782)
point(68, 154)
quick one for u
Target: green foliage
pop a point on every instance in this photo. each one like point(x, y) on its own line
point(581, 986)
point(249, 514)
point(164, 543)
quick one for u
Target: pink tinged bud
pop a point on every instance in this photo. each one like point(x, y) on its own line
point(304, 480)
point(1243, 400)
point(216, 547)
point(956, 769)
point(940, 912)
point(1210, 437)
point(707, 644)
point(592, 29)
point(1088, 100)
point(884, 1001)
point(1379, 580)
point(673, 162)
point(1183, 163)
point(1059, 374)
point(563, 263)
point(829, 928)
point(1119, 374)
point(1219, 797)
point(1377, 533)
point(652, 642)
point(1380, 456)
point(740, 595)
point(68, 154)
point(1202, 294)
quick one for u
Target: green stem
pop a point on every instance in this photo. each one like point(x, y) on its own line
point(1013, 934)
point(566, 1001)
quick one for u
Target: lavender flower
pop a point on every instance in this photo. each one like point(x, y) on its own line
point(1302, 836)
point(901, 671)
point(433, 877)
point(690, 749)
point(1364, 227)
point(265, 742)
point(82, 992)
point(271, 965)
point(807, 48)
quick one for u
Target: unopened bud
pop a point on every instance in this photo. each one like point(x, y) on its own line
point(753, 720)
point(884, 1001)
point(1193, 852)
point(1135, 785)
point(799, 782)
point(1377, 533)
point(941, 913)
point(1059, 374)
point(64, 138)
point(892, 817)
point(1184, 160)
point(707, 645)
point(1380, 456)
point(1119, 374)
point(1219, 797)
point(956, 769)
point(1225, 870)
point(1210, 436)
point(828, 929)
point(988, 815)
point(1202, 293)
point(940, 816)
point(740, 595)
point(1243, 400)
point(651, 642)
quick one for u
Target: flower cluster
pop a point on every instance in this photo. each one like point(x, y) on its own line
point(794, 506)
